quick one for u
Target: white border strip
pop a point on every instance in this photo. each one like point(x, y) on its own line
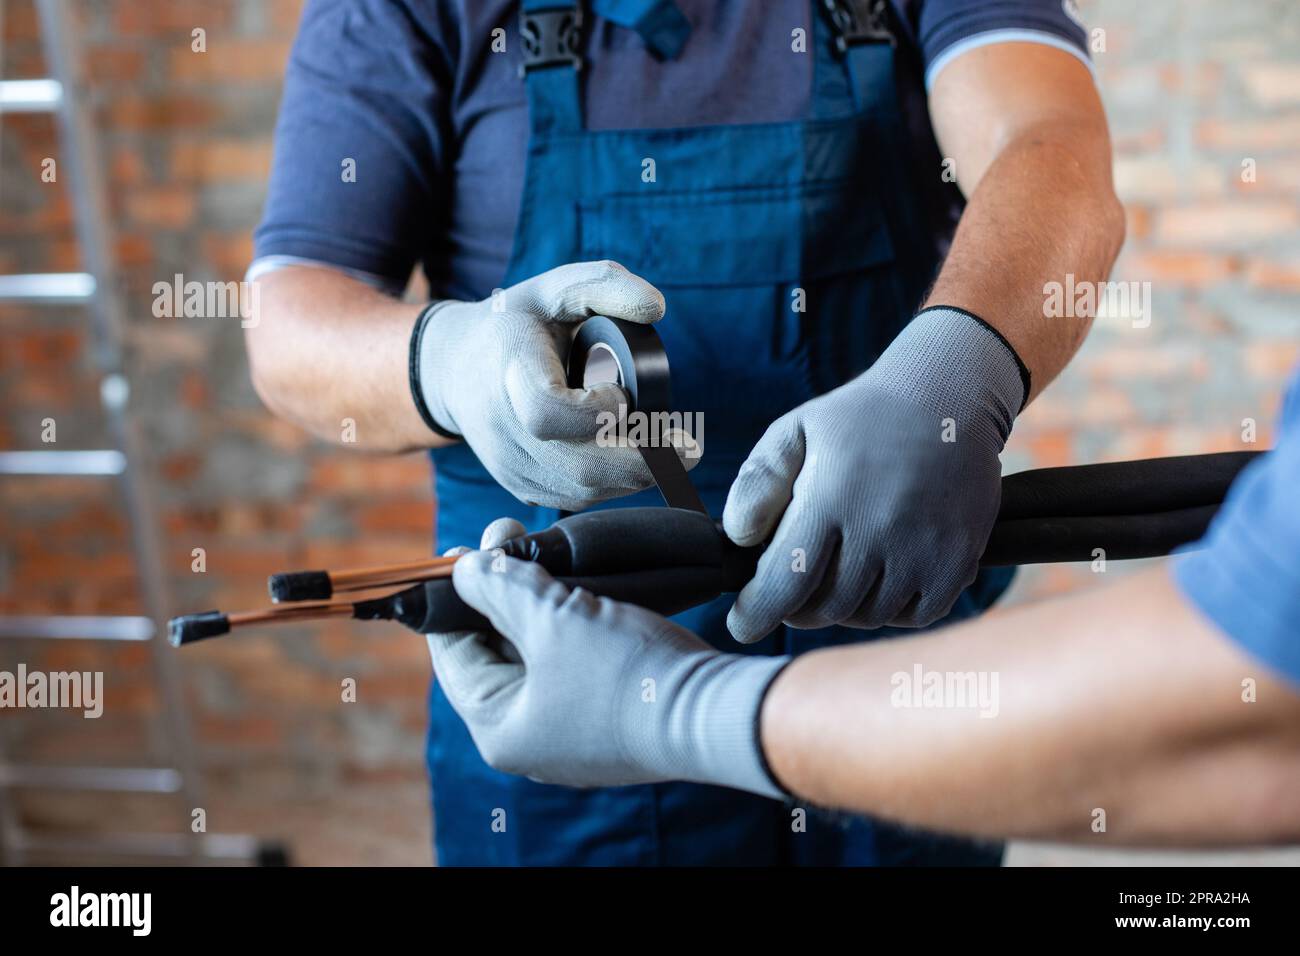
point(1004, 36)
point(266, 264)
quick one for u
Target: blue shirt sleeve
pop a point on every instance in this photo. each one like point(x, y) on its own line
point(1247, 577)
point(945, 29)
point(360, 139)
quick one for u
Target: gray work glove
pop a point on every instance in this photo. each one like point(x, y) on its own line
point(494, 536)
point(883, 492)
point(591, 692)
point(493, 372)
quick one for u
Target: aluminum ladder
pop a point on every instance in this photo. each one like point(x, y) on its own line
point(97, 290)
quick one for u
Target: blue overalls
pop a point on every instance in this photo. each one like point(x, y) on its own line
point(790, 254)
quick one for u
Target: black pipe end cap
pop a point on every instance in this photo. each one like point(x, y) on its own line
point(196, 627)
point(300, 586)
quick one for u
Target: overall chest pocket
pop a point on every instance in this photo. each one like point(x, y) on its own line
point(775, 294)
point(769, 235)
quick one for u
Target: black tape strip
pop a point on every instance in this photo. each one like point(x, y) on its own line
point(643, 374)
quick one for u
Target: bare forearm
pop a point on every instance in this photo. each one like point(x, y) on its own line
point(1029, 139)
point(1121, 699)
point(331, 354)
point(1038, 215)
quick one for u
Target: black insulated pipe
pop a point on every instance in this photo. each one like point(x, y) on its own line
point(672, 559)
point(1048, 515)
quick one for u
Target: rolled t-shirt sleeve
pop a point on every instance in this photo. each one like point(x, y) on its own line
point(949, 28)
point(1246, 578)
point(360, 141)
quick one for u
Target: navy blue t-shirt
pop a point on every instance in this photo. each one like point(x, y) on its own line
point(409, 95)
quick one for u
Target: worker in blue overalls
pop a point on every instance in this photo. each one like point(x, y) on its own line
point(775, 185)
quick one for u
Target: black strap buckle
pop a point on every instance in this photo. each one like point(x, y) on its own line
point(858, 21)
point(550, 38)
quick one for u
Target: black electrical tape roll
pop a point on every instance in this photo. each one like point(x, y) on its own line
point(642, 362)
point(642, 372)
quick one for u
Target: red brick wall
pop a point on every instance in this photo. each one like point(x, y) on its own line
point(187, 147)
point(1192, 87)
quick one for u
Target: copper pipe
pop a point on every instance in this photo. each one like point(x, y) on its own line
point(316, 610)
point(197, 627)
point(359, 579)
point(301, 586)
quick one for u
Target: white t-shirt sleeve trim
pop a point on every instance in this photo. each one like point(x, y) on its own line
point(266, 264)
point(1004, 36)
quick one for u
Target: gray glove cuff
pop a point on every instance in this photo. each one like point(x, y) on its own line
point(424, 372)
point(722, 706)
point(957, 365)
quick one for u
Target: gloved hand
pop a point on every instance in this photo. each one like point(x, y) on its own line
point(494, 373)
point(598, 693)
point(883, 492)
point(494, 536)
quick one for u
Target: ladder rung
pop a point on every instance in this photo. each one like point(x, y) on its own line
point(127, 779)
point(48, 288)
point(105, 462)
point(78, 628)
point(30, 96)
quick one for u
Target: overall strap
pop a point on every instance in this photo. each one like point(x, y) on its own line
point(551, 34)
point(855, 36)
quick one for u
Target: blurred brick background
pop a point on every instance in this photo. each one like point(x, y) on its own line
point(187, 141)
point(1193, 89)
